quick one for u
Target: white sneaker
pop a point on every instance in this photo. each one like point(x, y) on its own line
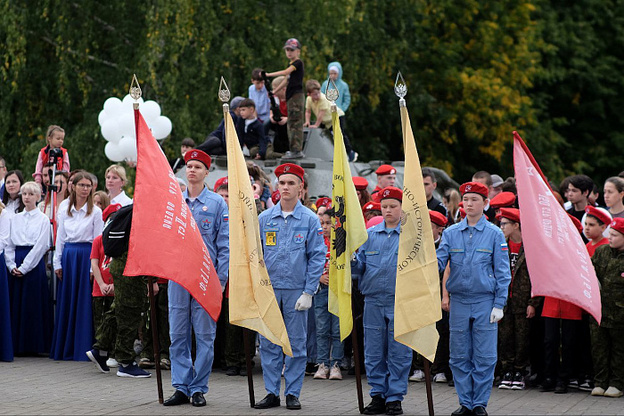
point(322, 372)
point(111, 362)
point(598, 391)
point(613, 392)
point(418, 375)
point(440, 378)
point(335, 373)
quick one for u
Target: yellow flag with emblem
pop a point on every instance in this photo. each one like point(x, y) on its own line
point(347, 234)
point(252, 302)
point(417, 305)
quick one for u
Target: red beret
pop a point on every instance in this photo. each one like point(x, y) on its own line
point(618, 224)
point(438, 218)
point(110, 210)
point(386, 170)
point(503, 199)
point(576, 223)
point(474, 187)
point(598, 213)
point(200, 156)
point(290, 168)
point(376, 197)
point(324, 202)
point(220, 182)
point(391, 192)
point(512, 214)
point(360, 183)
point(276, 196)
point(371, 206)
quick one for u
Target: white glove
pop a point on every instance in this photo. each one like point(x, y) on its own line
point(304, 302)
point(496, 315)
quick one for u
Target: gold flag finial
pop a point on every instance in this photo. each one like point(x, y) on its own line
point(135, 91)
point(332, 93)
point(224, 95)
point(400, 89)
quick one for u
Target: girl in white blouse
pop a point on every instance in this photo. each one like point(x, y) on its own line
point(31, 310)
point(6, 343)
point(78, 225)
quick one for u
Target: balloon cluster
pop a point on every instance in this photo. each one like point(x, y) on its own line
point(117, 125)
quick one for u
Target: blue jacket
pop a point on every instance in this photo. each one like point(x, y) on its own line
point(479, 262)
point(211, 215)
point(375, 264)
point(294, 248)
point(344, 97)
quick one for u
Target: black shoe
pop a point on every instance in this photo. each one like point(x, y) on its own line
point(394, 408)
point(232, 371)
point(198, 399)
point(311, 369)
point(561, 388)
point(176, 399)
point(377, 406)
point(269, 401)
point(243, 371)
point(479, 411)
point(548, 385)
point(292, 402)
point(451, 382)
point(462, 411)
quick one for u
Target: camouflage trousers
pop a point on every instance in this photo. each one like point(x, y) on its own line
point(513, 340)
point(162, 317)
point(608, 355)
point(295, 106)
point(101, 305)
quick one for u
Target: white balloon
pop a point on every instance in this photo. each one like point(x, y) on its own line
point(112, 106)
point(110, 130)
point(113, 152)
point(126, 124)
point(128, 147)
point(161, 128)
point(102, 117)
point(150, 110)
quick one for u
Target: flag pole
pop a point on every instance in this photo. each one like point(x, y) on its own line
point(135, 93)
point(224, 96)
point(400, 89)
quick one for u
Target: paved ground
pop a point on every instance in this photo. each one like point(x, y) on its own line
point(43, 386)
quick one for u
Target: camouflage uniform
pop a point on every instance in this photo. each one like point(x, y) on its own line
point(121, 323)
point(513, 329)
point(608, 338)
point(162, 318)
point(295, 106)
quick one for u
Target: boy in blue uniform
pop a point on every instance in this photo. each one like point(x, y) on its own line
point(185, 313)
point(477, 286)
point(387, 361)
point(294, 254)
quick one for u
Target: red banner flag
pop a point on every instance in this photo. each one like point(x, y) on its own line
point(558, 261)
point(165, 241)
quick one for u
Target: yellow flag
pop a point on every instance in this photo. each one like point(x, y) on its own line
point(251, 297)
point(417, 305)
point(347, 234)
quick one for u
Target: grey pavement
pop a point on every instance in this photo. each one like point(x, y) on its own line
point(42, 386)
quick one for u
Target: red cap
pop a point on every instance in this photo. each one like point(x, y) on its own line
point(111, 209)
point(512, 214)
point(290, 168)
point(220, 182)
point(618, 224)
point(503, 199)
point(371, 206)
point(474, 187)
point(200, 156)
point(276, 196)
point(391, 192)
point(438, 218)
point(324, 202)
point(576, 223)
point(598, 213)
point(360, 183)
point(386, 170)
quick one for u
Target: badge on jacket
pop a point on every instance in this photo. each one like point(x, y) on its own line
point(270, 238)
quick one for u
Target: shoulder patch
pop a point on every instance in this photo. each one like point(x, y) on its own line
point(504, 247)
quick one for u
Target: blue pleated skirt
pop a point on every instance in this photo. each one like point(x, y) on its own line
point(73, 329)
point(6, 343)
point(31, 309)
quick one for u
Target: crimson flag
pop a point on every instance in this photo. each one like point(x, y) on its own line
point(165, 241)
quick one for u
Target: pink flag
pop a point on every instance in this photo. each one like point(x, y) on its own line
point(558, 262)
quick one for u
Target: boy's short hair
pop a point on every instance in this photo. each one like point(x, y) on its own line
point(582, 182)
point(188, 142)
point(247, 102)
point(483, 175)
point(256, 74)
point(428, 173)
point(312, 85)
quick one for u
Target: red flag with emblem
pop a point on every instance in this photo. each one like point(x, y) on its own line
point(165, 241)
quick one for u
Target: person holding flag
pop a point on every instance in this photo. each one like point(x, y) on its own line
point(211, 214)
point(477, 286)
point(294, 254)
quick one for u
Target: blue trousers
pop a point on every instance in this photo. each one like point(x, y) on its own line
point(387, 361)
point(272, 356)
point(472, 351)
point(185, 313)
point(327, 331)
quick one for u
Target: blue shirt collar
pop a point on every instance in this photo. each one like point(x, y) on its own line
point(480, 225)
point(277, 212)
point(202, 197)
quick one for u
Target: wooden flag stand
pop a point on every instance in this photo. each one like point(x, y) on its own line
point(358, 373)
point(247, 335)
point(428, 386)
